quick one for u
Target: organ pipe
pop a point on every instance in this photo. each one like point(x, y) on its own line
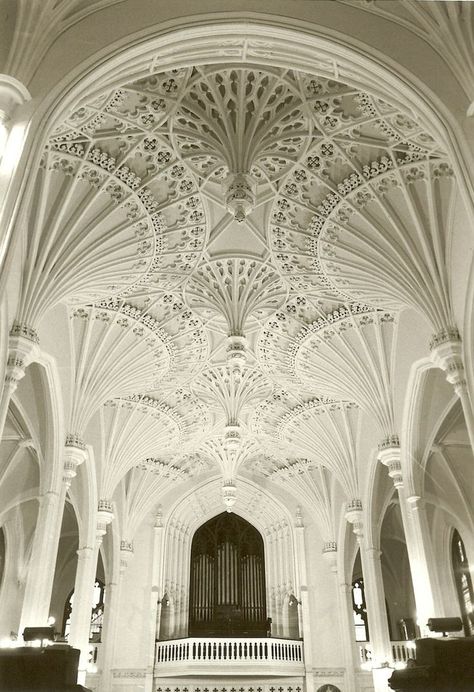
point(227, 579)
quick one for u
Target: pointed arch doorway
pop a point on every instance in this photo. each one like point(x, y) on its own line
point(227, 579)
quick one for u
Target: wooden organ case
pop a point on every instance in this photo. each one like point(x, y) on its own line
point(227, 581)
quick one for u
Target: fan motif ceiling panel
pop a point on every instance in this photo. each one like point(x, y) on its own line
point(249, 235)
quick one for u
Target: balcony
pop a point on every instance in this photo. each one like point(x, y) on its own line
point(401, 652)
point(234, 656)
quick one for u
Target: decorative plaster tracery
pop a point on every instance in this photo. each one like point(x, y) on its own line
point(130, 430)
point(136, 179)
point(344, 354)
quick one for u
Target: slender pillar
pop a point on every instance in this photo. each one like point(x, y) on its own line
point(279, 595)
point(180, 581)
point(84, 589)
point(305, 607)
point(13, 584)
point(42, 565)
point(22, 350)
point(275, 615)
point(82, 606)
point(13, 124)
point(112, 609)
point(156, 594)
point(375, 599)
point(446, 353)
point(423, 568)
point(344, 609)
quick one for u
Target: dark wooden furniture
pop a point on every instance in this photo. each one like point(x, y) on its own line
point(51, 668)
point(442, 665)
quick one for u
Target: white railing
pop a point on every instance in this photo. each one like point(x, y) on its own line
point(401, 651)
point(238, 653)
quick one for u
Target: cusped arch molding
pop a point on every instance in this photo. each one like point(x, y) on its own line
point(260, 509)
point(250, 38)
point(256, 505)
point(227, 578)
point(119, 89)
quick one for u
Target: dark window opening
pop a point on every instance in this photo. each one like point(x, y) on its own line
point(359, 609)
point(227, 595)
point(463, 580)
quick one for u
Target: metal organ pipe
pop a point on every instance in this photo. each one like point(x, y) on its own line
point(227, 572)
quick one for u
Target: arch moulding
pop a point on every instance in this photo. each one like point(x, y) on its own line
point(254, 39)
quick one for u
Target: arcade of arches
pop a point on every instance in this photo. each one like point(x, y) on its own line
point(236, 340)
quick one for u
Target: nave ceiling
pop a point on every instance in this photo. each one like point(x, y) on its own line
point(235, 245)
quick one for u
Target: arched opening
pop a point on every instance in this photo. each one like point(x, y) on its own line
point(396, 574)
point(359, 604)
point(359, 609)
point(97, 607)
point(463, 580)
point(227, 595)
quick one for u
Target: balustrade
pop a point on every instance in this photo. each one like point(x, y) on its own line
point(203, 651)
point(401, 651)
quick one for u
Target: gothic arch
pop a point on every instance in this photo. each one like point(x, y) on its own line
point(277, 42)
point(258, 508)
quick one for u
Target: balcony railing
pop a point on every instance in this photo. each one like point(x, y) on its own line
point(401, 651)
point(237, 656)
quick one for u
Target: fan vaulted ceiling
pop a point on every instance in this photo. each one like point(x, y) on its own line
point(235, 245)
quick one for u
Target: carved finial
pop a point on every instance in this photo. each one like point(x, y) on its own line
point(240, 194)
point(299, 516)
point(229, 495)
point(159, 517)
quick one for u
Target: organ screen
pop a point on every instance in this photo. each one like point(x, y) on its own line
point(227, 585)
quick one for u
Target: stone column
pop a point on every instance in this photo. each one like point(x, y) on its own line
point(13, 95)
point(13, 582)
point(305, 623)
point(42, 565)
point(446, 353)
point(344, 611)
point(111, 613)
point(375, 598)
point(273, 592)
point(22, 350)
point(423, 568)
point(84, 588)
point(156, 593)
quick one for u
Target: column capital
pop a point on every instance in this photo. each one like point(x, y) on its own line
point(13, 93)
point(446, 353)
point(329, 553)
point(390, 443)
point(22, 349)
point(126, 554)
point(416, 502)
point(396, 474)
point(158, 519)
point(74, 441)
point(373, 552)
point(104, 516)
point(389, 455)
point(354, 516)
point(74, 455)
point(84, 552)
point(49, 496)
point(299, 524)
